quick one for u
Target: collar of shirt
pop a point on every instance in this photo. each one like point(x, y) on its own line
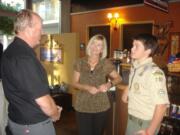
point(23, 43)
point(100, 62)
point(137, 64)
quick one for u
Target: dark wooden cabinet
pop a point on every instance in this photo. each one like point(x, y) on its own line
point(121, 113)
point(171, 122)
point(173, 85)
point(117, 120)
point(64, 100)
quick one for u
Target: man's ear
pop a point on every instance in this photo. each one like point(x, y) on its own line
point(30, 32)
point(148, 52)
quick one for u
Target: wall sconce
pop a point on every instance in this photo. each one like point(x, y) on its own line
point(114, 20)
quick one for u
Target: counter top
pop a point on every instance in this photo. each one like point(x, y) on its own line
point(174, 74)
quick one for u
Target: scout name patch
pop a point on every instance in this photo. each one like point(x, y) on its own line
point(161, 93)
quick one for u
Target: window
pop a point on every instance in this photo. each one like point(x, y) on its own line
point(17, 4)
point(49, 10)
point(133, 29)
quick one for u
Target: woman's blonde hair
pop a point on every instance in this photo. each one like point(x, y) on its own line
point(91, 42)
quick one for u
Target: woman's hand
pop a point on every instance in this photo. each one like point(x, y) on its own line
point(93, 90)
point(104, 87)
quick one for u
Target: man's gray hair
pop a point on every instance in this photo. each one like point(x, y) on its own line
point(23, 20)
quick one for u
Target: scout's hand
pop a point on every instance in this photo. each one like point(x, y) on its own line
point(143, 132)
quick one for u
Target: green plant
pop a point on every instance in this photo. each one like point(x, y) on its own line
point(7, 7)
point(6, 22)
point(6, 25)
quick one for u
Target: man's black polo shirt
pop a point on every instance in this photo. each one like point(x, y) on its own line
point(24, 80)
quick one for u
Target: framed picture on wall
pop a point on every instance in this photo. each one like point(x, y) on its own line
point(101, 29)
point(51, 54)
point(51, 50)
point(174, 43)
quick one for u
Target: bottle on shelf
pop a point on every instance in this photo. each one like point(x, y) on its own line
point(166, 127)
point(178, 113)
point(128, 59)
point(167, 113)
point(173, 111)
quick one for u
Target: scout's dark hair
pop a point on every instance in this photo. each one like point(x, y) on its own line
point(149, 41)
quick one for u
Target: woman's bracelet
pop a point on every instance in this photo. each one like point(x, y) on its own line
point(111, 84)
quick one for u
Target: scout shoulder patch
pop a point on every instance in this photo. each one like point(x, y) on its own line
point(158, 73)
point(159, 76)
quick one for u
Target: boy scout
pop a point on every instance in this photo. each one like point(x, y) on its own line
point(147, 94)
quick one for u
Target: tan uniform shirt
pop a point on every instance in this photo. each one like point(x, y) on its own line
point(147, 88)
point(86, 102)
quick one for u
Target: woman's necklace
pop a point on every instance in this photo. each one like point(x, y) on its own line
point(92, 63)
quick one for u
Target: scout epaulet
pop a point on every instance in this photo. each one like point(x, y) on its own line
point(157, 73)
point(147, 67)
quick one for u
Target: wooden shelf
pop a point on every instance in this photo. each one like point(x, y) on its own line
point(173, 74)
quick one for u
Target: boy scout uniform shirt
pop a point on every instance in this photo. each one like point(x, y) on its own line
point(147, 88)
point(85, 101)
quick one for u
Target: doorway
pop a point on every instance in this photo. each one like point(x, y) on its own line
point(132, 29)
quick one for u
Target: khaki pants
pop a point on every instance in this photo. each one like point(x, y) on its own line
point(3, 111)
point(135, 124)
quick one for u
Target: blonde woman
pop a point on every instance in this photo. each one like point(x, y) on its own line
point(90, 79)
